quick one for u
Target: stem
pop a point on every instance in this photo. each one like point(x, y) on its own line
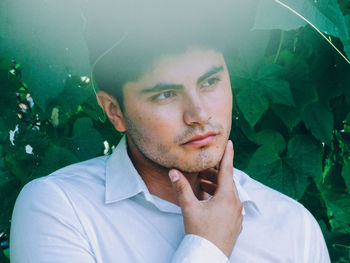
point(93, 68)
point(307, 21)
point(279, 47)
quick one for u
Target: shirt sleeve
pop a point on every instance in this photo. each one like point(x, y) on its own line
point(196, 249)
point(45, 227)
point(315, 249)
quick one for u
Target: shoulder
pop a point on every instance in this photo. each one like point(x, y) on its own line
point(283, 220)
point(272, 204)
point(75, 179)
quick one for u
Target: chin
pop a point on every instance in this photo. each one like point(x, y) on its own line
point(199, 163)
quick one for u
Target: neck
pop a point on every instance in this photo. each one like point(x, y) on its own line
point(156, 177)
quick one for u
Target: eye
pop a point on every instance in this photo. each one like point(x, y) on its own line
point(210, 82)
point(164, 95)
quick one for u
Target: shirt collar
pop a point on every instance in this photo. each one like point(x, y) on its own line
point(123, 181)
point(241, 183)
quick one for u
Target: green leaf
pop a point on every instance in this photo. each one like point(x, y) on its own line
point(75, 93)
point(93, 110)
point(297, 73)
point(5, 63)
point(338, 244)
point(291, 116)
point(21, 164)
point(47, 38)
point(329, 73)
point(271, 139)
point(9, 190)
point(304, 161)
point(305, 153)
point(276, 89)
point(252, 50)
point(87, 140)
point(54, 158)
point(338, 206)
point(320, 121)
point(347, 123)
point(4, 131)
point(242, 144)
point(264, 88)
point(346, 41)
point(346, 175)
point(324, 14)
point(252, 103)
point(289, 174)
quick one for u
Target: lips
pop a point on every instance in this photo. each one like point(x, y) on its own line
point(201, 140)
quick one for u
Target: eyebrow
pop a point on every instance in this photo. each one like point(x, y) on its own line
point(169, 86)
point(213, 70)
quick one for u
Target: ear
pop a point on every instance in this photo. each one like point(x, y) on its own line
point(112, 109)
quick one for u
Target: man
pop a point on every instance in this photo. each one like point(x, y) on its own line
point(169, 192)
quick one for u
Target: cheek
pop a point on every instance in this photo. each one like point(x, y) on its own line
point(158, 123)
point(221, 102)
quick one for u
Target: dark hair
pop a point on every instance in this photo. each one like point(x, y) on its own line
point(120, 67)
point(124, 42)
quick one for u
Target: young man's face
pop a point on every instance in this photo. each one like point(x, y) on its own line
point(179, 114)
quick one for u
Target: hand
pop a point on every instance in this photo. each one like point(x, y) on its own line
point(219, 219)
point(208, 183)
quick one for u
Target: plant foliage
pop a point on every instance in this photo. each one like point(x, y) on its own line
point(291, 120)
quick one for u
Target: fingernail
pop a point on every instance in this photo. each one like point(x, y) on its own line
point(174, 176)
point(230, 144)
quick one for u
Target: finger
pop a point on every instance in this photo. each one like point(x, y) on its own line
point(225, 176)
point(182, 188)
point(210, 175)
point(204, 196)
point(208, 187)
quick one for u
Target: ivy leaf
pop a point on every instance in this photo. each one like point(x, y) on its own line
point(297, 73)
point(346, 175)
point(252, 103)
point(337, 243)
point(47, 37)
point(271, 139)
point(87, 140)
point(324, 14)
point(75, 93)
point(320, 121)
point(252, 51)
point(264, 88)
point(347, 123)
point(290, 116)
point(70, 100)
point(9, 190)
point(290, 174)
point(346, 41)
point(55, 157)
point(338, 206)
point(4, 131)
point(276, 89)
point(8, 100)
point(21, 164)
point(242, 144)
point(91, 108)
point(5, 63)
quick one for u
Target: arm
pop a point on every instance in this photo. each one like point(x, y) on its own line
point(45, 227)
point(194, 248)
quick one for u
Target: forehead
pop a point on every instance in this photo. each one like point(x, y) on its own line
point(180, 67)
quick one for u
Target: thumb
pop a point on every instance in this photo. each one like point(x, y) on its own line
point(182, 188)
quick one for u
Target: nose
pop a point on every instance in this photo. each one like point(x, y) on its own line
point(195, 113)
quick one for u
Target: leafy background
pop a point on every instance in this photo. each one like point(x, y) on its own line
point(291, 121)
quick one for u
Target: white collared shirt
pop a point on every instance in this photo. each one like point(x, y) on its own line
point(101, 211)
